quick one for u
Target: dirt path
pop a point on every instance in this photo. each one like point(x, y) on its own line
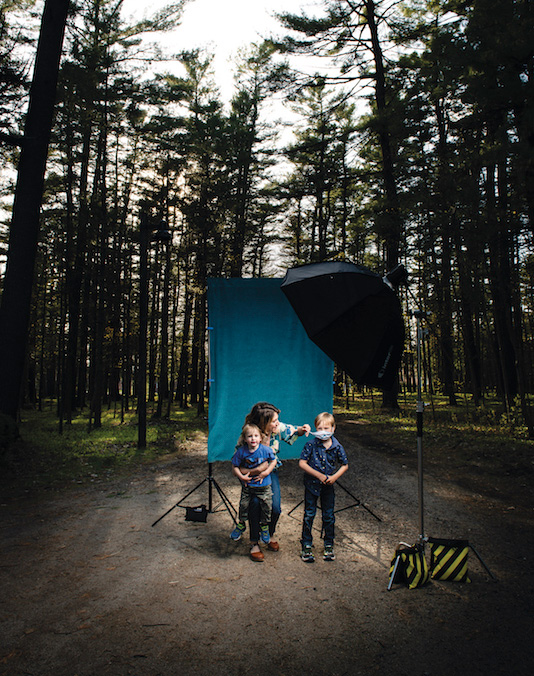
point(90, 587)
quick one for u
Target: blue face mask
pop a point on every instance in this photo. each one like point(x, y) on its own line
point(323, 435)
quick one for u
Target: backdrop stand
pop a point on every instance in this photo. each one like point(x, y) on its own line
point(357, 503)
point(212, 482)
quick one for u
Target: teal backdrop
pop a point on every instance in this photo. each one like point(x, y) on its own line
point(259, 351)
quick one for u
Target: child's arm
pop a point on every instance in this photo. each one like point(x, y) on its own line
point(334, 477)
point(303, 464)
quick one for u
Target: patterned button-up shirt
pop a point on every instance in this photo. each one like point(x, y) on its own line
point(324, 460)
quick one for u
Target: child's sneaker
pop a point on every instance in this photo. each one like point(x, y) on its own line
point(329, 553)
point(307, 555)
point(238, 532)
point(264, 534)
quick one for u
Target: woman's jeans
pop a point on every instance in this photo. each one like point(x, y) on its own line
point(327, 510)
point(254, 510)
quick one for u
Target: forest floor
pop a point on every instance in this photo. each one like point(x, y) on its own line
point(90, 587)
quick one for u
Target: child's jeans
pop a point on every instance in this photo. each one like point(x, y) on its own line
point(264, 494)
point(310, 509)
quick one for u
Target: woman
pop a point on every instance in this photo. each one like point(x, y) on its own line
point(265, 416)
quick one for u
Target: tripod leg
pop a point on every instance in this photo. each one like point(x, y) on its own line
point(392, 576)
point(294, 508)
point(482, 562)
point(226, 501)
point(359, 503)
point(179, 501)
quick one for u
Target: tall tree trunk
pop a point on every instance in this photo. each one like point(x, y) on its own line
point(24, 232)
point(182, 389)
point(444, 290)
point(499, 274)
point(163, 390)
point(74, 280)
point(393, 221)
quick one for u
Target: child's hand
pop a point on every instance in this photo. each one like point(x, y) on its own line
point(329, 480)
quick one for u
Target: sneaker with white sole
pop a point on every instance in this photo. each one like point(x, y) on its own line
point(306, 554)
point(329, 553)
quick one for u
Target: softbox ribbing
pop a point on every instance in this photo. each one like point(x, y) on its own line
point(352, 315)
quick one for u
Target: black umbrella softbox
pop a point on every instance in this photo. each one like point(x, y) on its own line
point(352, 315)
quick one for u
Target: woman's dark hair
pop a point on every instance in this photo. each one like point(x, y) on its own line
point(261, 415)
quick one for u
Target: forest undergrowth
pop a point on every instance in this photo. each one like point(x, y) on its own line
point(481, 448)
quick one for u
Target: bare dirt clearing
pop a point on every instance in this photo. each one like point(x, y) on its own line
point(90, 587)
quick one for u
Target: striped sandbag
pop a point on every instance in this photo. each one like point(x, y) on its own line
point(448, 559)
point(409, 566)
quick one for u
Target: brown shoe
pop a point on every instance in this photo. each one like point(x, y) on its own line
point(257, 556)
point(273, 546)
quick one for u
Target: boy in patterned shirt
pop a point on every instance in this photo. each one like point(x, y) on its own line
point(323, 460)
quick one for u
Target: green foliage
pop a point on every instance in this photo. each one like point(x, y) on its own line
point(466, 439)
point(45, 458)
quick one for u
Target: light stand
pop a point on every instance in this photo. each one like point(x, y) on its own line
point(420, 407)
point(419, 316)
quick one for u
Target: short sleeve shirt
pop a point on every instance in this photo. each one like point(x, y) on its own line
point(324, 460)
point(246, 460)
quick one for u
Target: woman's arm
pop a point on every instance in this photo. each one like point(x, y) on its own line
point(257, 470)
point(245, 477)
point(270, 466)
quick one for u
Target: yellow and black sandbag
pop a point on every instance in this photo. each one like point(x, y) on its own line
point(448, 560)
point(409, 567)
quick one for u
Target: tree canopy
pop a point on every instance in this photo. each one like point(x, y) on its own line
point(412, 144)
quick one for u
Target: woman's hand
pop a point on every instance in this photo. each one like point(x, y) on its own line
point(303, 429)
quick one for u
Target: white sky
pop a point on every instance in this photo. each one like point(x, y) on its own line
point(222, 26)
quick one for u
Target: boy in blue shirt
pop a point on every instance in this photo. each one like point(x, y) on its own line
point(323, 460)
point(249, 454)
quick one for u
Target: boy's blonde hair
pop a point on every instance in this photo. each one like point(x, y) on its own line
point(244, 430)
point(325, 417)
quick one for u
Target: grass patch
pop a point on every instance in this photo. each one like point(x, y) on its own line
point(45, 458)
point(474, 447)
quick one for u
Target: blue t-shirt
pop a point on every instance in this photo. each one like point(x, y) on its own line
point(246, 460)
point(324, 460)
